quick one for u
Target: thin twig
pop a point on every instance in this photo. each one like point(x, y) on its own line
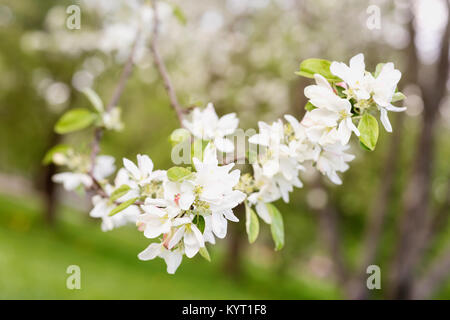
point(159, 62)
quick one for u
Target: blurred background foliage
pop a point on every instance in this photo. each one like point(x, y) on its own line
point(241, 55)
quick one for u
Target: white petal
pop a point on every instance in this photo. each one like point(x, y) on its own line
point(262, 212)
point(357, 64)
point(392, 108)
point(151, 252)
point(132, 169)
point(219, 225)
point(152, 231)
point(224, 145)
point(173, 260)
point(228, 124)
point(177, 237)
point(385, 120)
point(145, 164)
point(271, 167)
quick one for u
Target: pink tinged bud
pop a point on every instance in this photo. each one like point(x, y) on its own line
point(342, 85)
point(140, 226)
point(177, 199)
point(166, 241)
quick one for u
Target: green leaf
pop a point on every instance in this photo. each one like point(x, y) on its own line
point(363, 146)
point(119, 192)
point(179, 14)
point(177, 174)
point(368, 128)
point(122, 206)
point(309, 106)
point(251, 224)
point(199, 221)
point(198, 146)
point(94, 99)
point(378, 69)
point(178, 136)
point(74, 120)
point(276, 227)
point(60, 148)
point(309, 67)
point(204, 253)
point(398, 96)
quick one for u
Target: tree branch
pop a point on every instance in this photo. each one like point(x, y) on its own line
point(159, 62)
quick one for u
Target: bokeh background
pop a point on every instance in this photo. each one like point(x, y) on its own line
point(392, 209)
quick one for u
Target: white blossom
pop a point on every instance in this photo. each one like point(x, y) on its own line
point(333, 159)
point(206, 125)
point(142, 173)
point(332, 120)
point(354, 75)
point(171, 257)
point(383, 89)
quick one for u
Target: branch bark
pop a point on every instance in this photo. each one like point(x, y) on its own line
point(159, 62)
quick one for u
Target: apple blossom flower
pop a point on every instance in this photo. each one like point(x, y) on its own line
point(332, 119)
point(192, 237)
point(333, 159)
point(353, 75)
point(214, 189)
point(103, 206)
point(142, 173)
point(206, 125)
point(383, 89)
point(104, 167)
point(72, 180)
point(172, 258)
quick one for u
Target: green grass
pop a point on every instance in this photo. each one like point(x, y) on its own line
point(34, 259)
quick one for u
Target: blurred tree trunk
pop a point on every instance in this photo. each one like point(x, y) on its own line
point(233, 257)
point(47, 186)
point(380, 204)
point(415, 220)
point(358, 289)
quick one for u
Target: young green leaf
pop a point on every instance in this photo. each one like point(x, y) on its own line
point(378, 69)
point(60, 148)
point(368, 128)
point(199, 221)
point(204, 253)
point(94, 99)
point(276, 227)
point(179, 14)
point(122, 206)
point(309, 67)
point(251, 223)
point(178, 136)
point(197, 148)
point(398, 96)
point(74, 120)
point(177, 174)
point(119, 192)
point(309, 106)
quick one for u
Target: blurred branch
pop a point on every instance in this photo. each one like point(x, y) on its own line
point(416, 218)
point(159, 62)
point(329, 227)
point(126, 72)
point(435, 278)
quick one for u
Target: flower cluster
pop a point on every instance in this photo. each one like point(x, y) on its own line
point(322, 137)
point(183, 208)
